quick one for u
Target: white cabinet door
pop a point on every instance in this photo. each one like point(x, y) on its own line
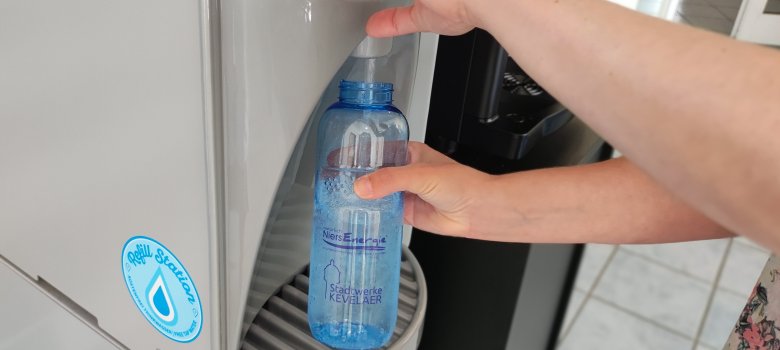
point(33, 321)
point(755, 25)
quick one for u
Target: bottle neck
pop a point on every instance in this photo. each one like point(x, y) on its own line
point(364, 93)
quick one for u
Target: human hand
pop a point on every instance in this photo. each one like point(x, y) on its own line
point(448, 17)
point(441, 196)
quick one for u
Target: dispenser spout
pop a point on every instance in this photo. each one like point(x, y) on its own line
point(373, 47)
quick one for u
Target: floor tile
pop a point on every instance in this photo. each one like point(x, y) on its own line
point(651, 7)
point(576, 299)
point(718, 25)
point(723, 314)
point(706, 11)
point(665, 296)
point(725, 3)
point(695, 258)
point(601, 326)
point(678, 18)
point(749, 242)
point(772, 7)
point(593, 261)
point(729, 12)
point(705, 347)
point(631, 4)
point(695, 2)
point(743, 266)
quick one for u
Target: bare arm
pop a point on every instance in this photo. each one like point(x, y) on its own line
point(697, 111)
point(608, 202)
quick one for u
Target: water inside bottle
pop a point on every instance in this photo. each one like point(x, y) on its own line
point(356, 243)
point(357, 276)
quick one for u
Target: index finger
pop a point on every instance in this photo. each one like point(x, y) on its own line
point(392, 22)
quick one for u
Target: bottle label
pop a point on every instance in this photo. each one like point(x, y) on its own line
point(358, 243)
point(348, 241)
point(337, 292)
point(355, 246)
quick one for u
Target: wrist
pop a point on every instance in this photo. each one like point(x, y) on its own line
point(486, 210)
point(480, 12)
point(471, 12)
point(489, 14)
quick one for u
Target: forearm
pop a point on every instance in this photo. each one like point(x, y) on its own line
point(608, 202)
point(697, 111)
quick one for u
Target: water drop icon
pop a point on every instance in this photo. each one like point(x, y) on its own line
point(159, 299)
point(160, 303)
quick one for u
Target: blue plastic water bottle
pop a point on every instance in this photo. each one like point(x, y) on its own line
point(356, 244)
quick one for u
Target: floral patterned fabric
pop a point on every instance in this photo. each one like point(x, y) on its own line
point(757, 327)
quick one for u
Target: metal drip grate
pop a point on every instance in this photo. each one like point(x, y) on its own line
point(282, 324)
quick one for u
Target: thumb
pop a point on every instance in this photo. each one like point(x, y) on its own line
point(410, 178)
point(392, 22)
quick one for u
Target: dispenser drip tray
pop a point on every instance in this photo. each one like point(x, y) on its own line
point(282, 323)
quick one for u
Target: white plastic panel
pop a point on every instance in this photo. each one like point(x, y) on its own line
point(33, 321)
point(106, 132)
point(417, 115)
point(102, 138)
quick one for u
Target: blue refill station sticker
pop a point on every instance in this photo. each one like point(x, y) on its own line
point(162, 289)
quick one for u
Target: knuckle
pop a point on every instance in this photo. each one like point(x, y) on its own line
point(415, 151)
point(428, 178)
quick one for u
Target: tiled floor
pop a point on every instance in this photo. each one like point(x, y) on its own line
point(714, 15)
point(668, 296)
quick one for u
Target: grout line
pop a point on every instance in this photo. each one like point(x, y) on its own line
point(712, 7)
point(752, 246)
point(735, 293)
point(745, 294)
point(667, 266)
point(710, 299)
point(642, 317)
point(738, 293)
point(684, 18)
point(723, 13)
point(583, 291)
point(737, 3)
point(588, 295)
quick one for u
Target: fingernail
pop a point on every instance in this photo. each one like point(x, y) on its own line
point(363, 187)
